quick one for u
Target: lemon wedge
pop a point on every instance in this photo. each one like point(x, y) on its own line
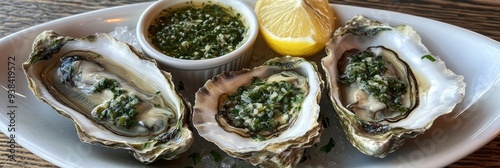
point(295, 27)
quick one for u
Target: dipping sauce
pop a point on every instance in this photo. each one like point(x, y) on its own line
point(197, 32)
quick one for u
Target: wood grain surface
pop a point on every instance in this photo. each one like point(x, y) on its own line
point(481, 16)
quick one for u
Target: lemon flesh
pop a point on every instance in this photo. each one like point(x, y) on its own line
point(295, 27)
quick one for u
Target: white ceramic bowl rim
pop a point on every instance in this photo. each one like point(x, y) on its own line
point(151, 12)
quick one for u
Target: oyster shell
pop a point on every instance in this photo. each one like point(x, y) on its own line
point(385, 105)
point(280, 147)
point(115, 96)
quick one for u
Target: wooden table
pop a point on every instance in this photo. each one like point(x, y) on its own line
point(481, 16)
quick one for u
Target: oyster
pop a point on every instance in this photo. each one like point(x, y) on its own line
point(266, 116)
point(115, 96)
point(385, 85)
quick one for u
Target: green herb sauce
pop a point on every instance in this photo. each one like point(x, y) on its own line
point(197, 32)
point(121, 110)
point(367, 69)
point(263, 106)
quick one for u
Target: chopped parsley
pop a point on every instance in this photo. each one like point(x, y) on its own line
point(429, 57)
point(367, 69)
point(197, 32)
point(108, 84)
point(121, 109)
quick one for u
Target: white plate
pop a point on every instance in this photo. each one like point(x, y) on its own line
point(39, 129)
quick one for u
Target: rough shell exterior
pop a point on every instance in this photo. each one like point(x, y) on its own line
point(439, 89)
point(48, 49)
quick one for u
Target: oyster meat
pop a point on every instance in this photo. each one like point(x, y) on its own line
point(267, 115)
point(115, 96)
point(385, 85)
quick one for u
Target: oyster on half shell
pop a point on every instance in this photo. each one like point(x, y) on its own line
point(385, 85)
point(247, 113)
point(115, 96)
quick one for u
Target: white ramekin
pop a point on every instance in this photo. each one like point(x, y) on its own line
point(198, 71)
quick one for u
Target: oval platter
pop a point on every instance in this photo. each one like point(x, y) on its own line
point(53, 137)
